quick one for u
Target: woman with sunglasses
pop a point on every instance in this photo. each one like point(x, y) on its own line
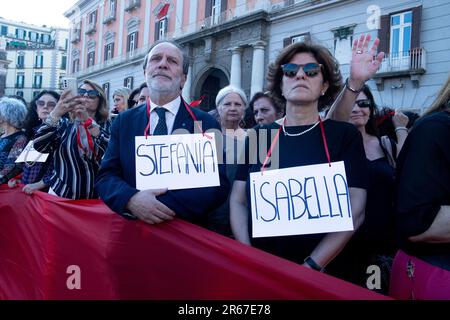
point(36, 175)
point(306, 78)
point(374, 242)
point(78, 142)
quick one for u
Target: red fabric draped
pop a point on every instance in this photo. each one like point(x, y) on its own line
point(42, 235)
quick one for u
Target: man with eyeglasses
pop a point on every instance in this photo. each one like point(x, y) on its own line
point(165, 111)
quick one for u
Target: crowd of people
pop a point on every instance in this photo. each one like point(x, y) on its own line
point(398, 171)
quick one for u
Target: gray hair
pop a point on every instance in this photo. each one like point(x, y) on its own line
point(13, 112)
point(183, 54)
point(226, 91)
point(122, 92)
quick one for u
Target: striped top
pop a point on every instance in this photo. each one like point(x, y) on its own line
point(74, 174)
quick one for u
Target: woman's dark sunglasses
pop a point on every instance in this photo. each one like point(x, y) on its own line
point(364, 103)
point(310, 69)
point(92, 94)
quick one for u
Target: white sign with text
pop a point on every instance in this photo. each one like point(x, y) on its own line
point(181, 161)
point(300, 200)
point(29, 154)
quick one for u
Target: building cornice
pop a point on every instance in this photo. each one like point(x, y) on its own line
point(225, 27)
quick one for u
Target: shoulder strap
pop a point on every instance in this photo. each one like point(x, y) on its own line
point(390, 149)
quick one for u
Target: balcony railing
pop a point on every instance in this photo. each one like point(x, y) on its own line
point(76, 36)
point(37, 85)
point(19, 85)
point(413, 60)
point(109, 18)
point(132, 4)
point(91, 28)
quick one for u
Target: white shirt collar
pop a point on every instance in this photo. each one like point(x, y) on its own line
point(172, 106)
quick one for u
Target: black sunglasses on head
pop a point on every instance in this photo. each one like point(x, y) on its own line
point(364, 103)
point(92, 94)
point(310, 69)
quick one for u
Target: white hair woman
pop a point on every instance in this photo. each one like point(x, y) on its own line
point(13, 140)
point(231, 103)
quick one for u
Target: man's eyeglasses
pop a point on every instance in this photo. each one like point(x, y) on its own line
point(50, 104)
point(364, 103)
point(92, 94)
point(310, 69)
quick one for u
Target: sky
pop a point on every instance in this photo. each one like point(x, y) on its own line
point(37, 12)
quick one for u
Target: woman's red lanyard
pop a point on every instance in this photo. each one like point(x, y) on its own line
point(274, 141)
point(194, 103)
point(86, 125)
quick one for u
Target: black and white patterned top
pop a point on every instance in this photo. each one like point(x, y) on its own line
point(74, 172)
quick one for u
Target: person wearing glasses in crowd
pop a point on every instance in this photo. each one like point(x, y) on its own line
point(12, 139)
point(374, 242)
point(78, 143)
point(307, 79)
point(36, 175)
point(120, 100)
point(421, 268)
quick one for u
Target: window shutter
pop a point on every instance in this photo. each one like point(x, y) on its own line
point(128, 42)
point(105, 53)
point(208, 8)
point(136, 40)
point(156, 30)
point(42, 61)
point(112, 50)
point(125, 82)
point(384, 34)
point(286, 42)
point(166, 24)
point(223, 5)
point(131, 83)
point(416, 23)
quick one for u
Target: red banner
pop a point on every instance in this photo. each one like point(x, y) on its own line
point(53, 248)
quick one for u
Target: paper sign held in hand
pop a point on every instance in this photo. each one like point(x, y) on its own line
point(300, 200)
point(176, 162)
point(29, 154)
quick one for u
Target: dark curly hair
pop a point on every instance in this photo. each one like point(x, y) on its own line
point(32, 120)
point(330, 71)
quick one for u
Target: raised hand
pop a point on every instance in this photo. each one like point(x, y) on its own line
point(65, 104)
point(365, 62)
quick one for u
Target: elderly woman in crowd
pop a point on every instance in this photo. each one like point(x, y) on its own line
point(12, 139)
point(231, 104)
point(120, 100)
point(306, 78)
point(77, 143)
point(264, 109)
point(421, 268)
point(36, 175)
